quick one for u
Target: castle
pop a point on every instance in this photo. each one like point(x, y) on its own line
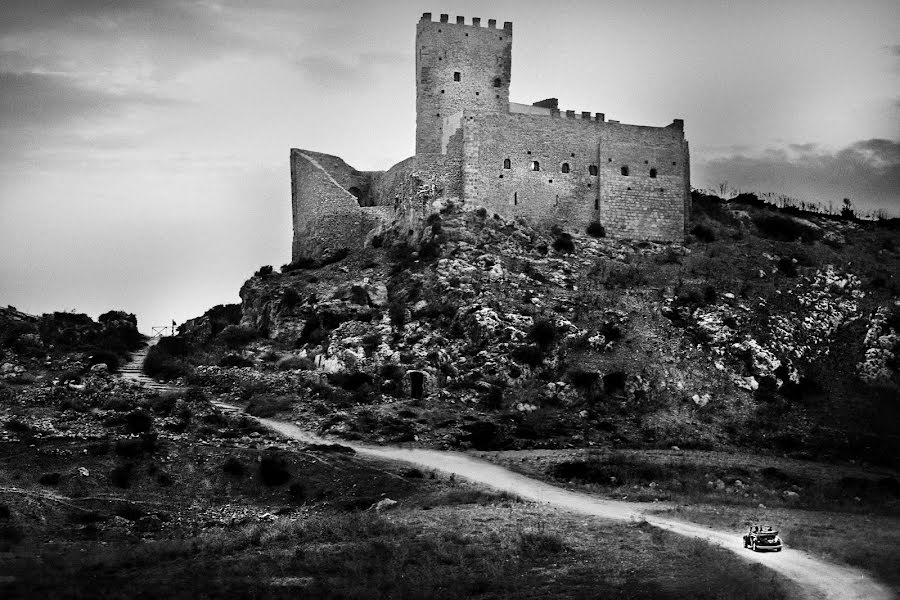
point(473, 144)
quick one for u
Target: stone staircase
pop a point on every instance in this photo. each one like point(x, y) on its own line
point(133, 370)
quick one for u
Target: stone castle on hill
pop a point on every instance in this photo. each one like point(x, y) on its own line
point(473, 144)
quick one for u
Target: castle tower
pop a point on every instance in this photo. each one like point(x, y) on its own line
point(458, 67)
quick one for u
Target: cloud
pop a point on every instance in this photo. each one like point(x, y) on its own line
point(29, 99)
point(331, 72)
point(867, 171)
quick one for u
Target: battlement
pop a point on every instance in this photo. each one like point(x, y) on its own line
point(476, 21)
point(550, 108)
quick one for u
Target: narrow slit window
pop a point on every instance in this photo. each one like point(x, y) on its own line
point(457, 76)
point(596, 203)
point(565, 168)
point(507, 164)
point(625, 170)
point(592, 170)
point(652, 173)
point(516, 198)
point(535, 165)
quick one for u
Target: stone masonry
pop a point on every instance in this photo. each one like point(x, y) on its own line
point(532, 160)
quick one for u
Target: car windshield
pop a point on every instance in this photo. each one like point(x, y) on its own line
point(768, 535)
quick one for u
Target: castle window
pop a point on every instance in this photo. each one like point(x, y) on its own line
point(477, 93)
point(652, 173)
point(646, 162)
point(457, 76)
point(625, 170)
point(662, 190)
point(565, 168)
point(497, 82)
point(551, 181)
point(608, 160)
point(592, 170)
point(673, 163)
point(596, 203)
point(507, 164)
point(573, 155)
point(498, 95)
point(535, 165)
point(442, 91)
point(516, 198)
point(501, 175)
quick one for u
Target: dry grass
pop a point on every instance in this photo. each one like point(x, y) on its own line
point(865, 541)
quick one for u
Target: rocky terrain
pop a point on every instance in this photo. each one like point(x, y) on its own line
point(769, 330)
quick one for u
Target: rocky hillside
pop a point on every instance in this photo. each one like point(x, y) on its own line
point(768, 330)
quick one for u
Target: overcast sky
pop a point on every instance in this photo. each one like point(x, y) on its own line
point(144, 145)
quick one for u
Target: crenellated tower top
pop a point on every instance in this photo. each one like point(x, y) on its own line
point(458, 67)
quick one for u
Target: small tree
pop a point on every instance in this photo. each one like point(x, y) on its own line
point(847, 211)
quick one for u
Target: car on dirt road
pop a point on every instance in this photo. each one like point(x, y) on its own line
point(762, 537)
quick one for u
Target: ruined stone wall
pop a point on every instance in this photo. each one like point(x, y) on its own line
point(638, 205)
point(388, 186)
point(458, 67)
point(326, 216)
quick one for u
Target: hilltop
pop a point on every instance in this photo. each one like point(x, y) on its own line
point(770, 330)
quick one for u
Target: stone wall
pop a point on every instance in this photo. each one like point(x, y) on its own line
point(650, 201)
point(482, 58)
point(629, 206)
point(326, 216)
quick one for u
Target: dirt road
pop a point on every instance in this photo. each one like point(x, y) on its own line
point(819, 579)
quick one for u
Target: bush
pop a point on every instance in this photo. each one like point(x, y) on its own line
point(786, 229)
point(235, 360)
point(120, 476)
point(543, 333)
point(138, 421)
point(267, 405)
point(584, 379)
point(160, 363)
point(264, 271)
point(234, 467)
point(235, 336)
point(110, 359)
point(596, 230)
point(529, 354)
point(290, 297)
point(292, 363)
point(563, 242)
point(703, 233)
point(273, 468)
point(540, 543)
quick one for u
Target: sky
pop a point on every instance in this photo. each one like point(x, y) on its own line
point(144, 145)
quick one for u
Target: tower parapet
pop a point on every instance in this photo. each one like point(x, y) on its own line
point(458, 67)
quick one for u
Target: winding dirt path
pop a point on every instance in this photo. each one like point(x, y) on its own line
point(818, 579)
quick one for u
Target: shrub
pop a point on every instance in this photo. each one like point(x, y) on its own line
point(583, 379)
point(596, 230)
point(233, 466)
point(703, 233)
point(784, 228)
point(563, 242)
point(543, 333)
point(540, 543)
point(292, 363)
point(267, 405)
point(49, 478)
point(290, 297)
point(70, 376)
point(120, 476)
point(528, 354)
point(138, 421)
point(787, 266)
point(413, 473)
point(264, 271)
point(235, 360)
point(110, 359)
point(160, 363)
point(235, 336)
point(481, 212)
point(273, 468)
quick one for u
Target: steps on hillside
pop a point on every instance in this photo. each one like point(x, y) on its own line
point(133, 370)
